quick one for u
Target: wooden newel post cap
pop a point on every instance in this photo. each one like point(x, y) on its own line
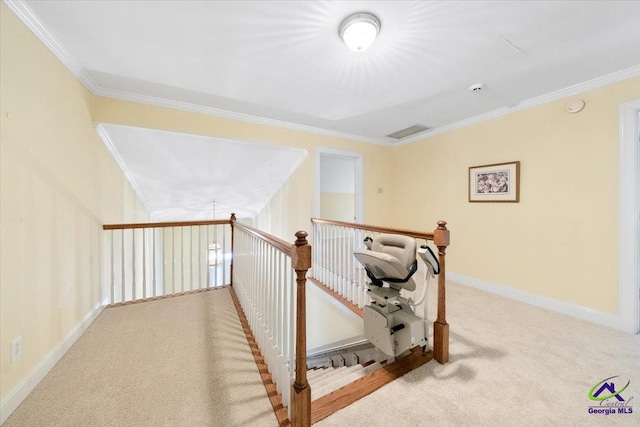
point(301, 238)
point(441, 234)
point(301, 252)
point(233, 216)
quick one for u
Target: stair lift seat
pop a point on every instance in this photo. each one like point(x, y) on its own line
point(390, 323)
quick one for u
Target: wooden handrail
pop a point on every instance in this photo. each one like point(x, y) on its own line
point(163, 224)
point(277, 243)
point(300, 253)
point(410, 233)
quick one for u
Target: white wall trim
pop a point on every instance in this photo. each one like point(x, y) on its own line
point(533, 102)
point(359, 195)
point(582, 313)
point(32, 22)
point(104, 135)
point(33, 378)
point(629, 215)
point(211, 111)
point(20, 8)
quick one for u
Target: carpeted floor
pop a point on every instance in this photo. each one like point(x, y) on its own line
point(180, 361)
point(511, 364)
point(185, 362)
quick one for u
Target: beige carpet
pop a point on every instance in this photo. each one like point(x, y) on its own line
point(511, 364)
point(185, 362)
point(181, 361)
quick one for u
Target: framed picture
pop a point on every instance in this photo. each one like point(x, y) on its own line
point(499, 182)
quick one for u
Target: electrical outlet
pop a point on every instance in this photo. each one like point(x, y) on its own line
point(16, 349)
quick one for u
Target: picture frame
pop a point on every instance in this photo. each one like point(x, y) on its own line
point(498, 182)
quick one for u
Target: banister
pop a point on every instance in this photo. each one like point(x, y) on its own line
point(269, 294)
point(164, 224)
point(279, 244)
point(146, 250)
point(410, 233)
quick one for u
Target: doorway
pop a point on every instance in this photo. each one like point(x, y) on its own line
point(629, 211)
point(339, 185)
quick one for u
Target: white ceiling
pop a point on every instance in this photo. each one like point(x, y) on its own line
point(284, 60)
point(180, 176)
point(283, 63)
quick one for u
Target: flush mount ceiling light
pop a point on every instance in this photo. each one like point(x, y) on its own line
point(359, 31)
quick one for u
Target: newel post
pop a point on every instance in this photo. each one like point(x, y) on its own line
point(440, 326)
point(301, 392)
point(233, 253)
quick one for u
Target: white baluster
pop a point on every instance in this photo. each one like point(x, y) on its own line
point(113, 262)
point(122, 285)
point(144, 263)
point(224, 256)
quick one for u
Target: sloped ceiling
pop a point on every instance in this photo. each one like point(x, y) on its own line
point(180, 176)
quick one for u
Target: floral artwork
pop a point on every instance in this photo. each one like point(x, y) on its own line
point(494, 183)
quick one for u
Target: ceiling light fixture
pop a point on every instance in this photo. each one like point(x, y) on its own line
point(359, 31)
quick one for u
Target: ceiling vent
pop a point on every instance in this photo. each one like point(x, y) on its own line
point(411, 130)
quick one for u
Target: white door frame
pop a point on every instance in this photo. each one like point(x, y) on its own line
point(359, 179)
point(629, 217)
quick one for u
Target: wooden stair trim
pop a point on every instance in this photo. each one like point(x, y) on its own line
point(341, 398)
point(282, 414)
point(351, 306)
point(345, 396)
point(159, 297)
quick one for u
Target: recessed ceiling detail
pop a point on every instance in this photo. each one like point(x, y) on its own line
point(284, 63)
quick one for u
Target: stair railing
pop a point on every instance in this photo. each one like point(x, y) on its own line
point(156, 260)
point(335, 267)
point(273, 301)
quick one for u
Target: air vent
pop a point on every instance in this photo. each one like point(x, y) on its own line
point(411, 130)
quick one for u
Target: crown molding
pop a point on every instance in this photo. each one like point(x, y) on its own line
point(20, 8)
point(32, 22)
point(211, 111)
point(125, 170)
point(533, 102)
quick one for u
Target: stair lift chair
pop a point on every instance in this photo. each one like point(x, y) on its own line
point(390, 323)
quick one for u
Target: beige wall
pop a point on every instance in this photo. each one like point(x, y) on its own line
point(293, 205)
point(58, 185)
point(338, 206)
point(561, 240)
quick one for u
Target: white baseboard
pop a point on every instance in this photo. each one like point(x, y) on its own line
point(576, 311)
point(24, 387)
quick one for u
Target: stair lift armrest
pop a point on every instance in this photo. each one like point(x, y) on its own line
point(368, 241)
point(433, 268)
point(429, 259)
